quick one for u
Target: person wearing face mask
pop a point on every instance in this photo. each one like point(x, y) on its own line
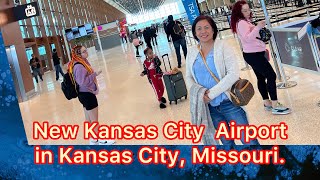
point(212, 56)
point(86, 78)
point(254, 51)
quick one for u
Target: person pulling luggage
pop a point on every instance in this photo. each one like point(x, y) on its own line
point(153, 70)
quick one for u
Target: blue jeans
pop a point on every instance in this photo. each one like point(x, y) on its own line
point(37, 72)
point(181, 42)
point(226, 112)
point(58, 70)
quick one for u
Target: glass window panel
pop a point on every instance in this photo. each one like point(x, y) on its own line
point(27, 32)
point(54, 20)
point(177, 8)
point(47, 30)
point(72, 8)
point(34, 27)
point(29, 52)
point(167, 7)
point(82, 8)
point(42, 50)
point(85, 12)
point(22, 32)
point(44, 17)
point(162, 11)
point(157, 14)
point(151, 15)
point(68, 14)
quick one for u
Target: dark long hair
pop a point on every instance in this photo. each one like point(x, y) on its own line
point(146, 51)
point(237, 14)
point(210, 21)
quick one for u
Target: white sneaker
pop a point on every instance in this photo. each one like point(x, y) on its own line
point(281, 110)
point(106, 142)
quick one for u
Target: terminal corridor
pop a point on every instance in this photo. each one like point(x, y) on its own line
point(126, 98)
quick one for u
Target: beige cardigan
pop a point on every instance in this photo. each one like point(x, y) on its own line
point(226, 63)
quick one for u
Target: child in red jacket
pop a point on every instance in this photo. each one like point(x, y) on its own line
point(152, 69)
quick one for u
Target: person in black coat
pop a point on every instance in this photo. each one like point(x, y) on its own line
point(56, 63)
point(166, 30)
point(154, 35)
point(36, 67)
point(147, 37)
point(177, 39)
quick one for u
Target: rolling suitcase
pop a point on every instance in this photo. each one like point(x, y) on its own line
point(175, 85)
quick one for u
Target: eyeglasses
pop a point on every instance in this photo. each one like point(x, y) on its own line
point(246, 10)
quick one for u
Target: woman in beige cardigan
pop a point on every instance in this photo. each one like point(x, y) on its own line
point(223, 62)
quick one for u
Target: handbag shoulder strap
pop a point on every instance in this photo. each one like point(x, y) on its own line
point(214, 76)
point(205, 63)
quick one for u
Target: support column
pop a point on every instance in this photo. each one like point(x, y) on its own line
point(12, 36)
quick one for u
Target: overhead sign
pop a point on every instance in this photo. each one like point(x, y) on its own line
point(17, 13)
point(192, 10)
point(26, 11)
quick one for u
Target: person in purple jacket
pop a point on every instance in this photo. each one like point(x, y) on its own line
point(86, 78)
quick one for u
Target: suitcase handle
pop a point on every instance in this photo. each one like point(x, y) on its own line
point(164, 55)
point(164, 64)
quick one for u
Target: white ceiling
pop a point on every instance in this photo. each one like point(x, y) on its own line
point(135, 6)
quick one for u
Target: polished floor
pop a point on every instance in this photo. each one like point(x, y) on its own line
point(126, 98)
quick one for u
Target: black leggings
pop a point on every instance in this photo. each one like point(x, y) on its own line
point(148, 42)
point(137, 50)
point(264, 71)
point(154, 40)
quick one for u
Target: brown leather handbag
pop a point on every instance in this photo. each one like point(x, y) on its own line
point(241, 91)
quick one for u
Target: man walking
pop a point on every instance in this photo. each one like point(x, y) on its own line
point(177, 32)
point(56, 63)
point(36, 68)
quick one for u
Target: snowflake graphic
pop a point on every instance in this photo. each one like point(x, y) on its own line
point(7, 91)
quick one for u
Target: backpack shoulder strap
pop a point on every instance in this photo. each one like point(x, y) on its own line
point(78, 63)
point(74, 66)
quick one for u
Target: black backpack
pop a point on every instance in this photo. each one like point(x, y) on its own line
point(69, 86)
point(178, 30)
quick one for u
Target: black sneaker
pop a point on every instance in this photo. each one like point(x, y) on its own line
point(163, 100)
point(162, 106)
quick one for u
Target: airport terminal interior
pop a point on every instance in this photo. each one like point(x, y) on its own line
point(127, 98)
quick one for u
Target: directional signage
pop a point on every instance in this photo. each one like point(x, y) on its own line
point(19, 13)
